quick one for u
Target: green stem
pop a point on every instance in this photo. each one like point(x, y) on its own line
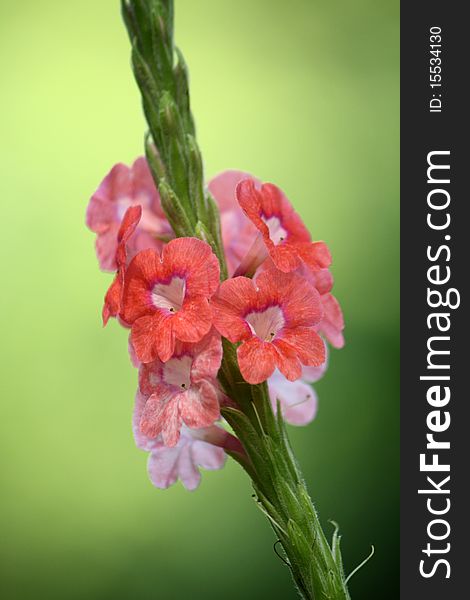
point(281, 492)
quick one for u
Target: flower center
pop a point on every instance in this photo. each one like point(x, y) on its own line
point(267, 323)
point(177, 372)
point(169, 295)
point(277, 233)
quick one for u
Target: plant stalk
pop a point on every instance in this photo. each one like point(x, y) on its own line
point(176, 165)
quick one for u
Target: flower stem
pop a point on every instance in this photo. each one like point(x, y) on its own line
point(280, 490)
point(176, 165)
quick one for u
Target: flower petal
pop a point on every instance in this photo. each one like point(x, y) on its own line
point(112, 300)
point(161, 414)
point(144, 269)
point(257, 360)
point(142, 441)
point(193, 321)
point(207, 357)
point(223, 187)
point(332, 324)
point(300, 301)
point(153, 336)
point(207, 456)
point(285, 257)
point(199, 406)
point(234, 298)
point(194, 260)
point(187, 468)
point(162, 467)
point(106, 247)
point(308, 345)
point(287, 361)
point(298, 400)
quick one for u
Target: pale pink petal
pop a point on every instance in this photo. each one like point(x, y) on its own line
point(223, 188)
point(298, 400)
point(207, 456)
point(122, 188)
point(194, 449)
point(163, 467)
point(106, 246)
point(313, 374)
point(238, 232)
point(187, 467)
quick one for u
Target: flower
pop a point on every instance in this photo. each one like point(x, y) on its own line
point(297, 399)
point(274, 318)
point(166, 297)
point(121, 188)
point(332, 324)
point(238, 232)
point(282, 234)
point(200, 447)
point(112, 300)
point(183, 389)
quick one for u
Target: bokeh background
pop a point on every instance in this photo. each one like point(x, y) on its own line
point(302, 93)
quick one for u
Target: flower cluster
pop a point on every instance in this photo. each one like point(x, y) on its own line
point(276, 307)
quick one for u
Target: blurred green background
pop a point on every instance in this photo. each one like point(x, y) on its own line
point(302, 93)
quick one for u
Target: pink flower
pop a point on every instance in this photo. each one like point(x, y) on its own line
point(112, 300)
point(298, 400)
point(121, 188)
point(274, 317)
point(238, 232)
point(282, 233)
point(166, 297)
point(195, 448)
point(182, 390)
point(332, 324)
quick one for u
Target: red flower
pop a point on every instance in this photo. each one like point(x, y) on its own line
point(283, 235)
point(112, 300)
point(166, 297)
point(274, 317)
